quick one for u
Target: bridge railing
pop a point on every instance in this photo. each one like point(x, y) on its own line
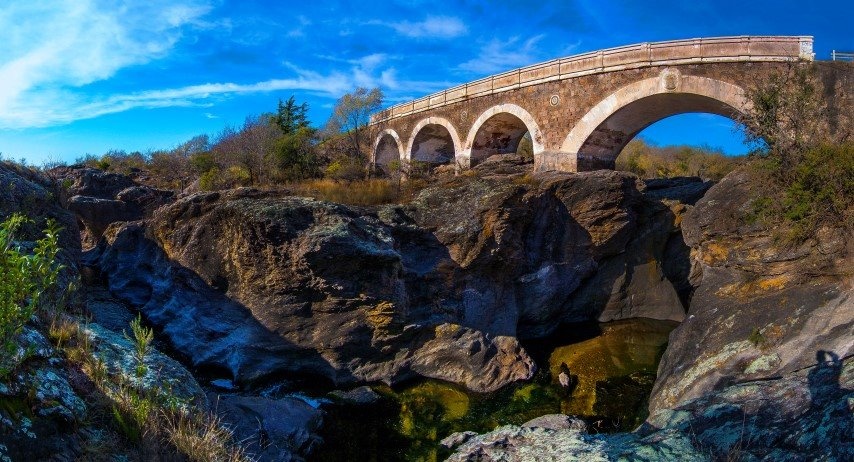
point(716, 49)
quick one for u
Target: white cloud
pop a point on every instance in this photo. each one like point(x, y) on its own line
point(443, 27)
point(55, 107)
point(497, 55)
point(52, 47)
point(43, 110)
point(49, 64)
point(299, 31)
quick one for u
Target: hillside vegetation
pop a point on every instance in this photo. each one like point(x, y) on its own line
point(650, 161)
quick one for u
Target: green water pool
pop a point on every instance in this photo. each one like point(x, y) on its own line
point(612, 369)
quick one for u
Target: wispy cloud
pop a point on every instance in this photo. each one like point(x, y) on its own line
point(54, 47)
point(441, 27)
point(299, 30)
point(54, 108)
point(47, 108)
point(497, 55)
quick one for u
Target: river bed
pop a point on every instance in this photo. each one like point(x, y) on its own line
point(609, 368)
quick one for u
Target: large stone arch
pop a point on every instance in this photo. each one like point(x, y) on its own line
point(433, 140)
point(387, 148)
point(498, 130)
point(597, 139)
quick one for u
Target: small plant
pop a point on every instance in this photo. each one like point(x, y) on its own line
point(142, 337)
point(97, 370)
point(24, 278)
point(756, 338)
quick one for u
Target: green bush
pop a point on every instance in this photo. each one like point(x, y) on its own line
point(24, 278)
point(818, 190)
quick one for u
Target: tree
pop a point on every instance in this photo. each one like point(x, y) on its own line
point(295, 154)
point(251, 148)
point(291, 116)
point(786, 116)
point(174, 167)
point(351, 116)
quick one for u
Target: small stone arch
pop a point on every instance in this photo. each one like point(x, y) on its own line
point(435, 143)
point(597, 139)
point(507, 123)
point(384, 150)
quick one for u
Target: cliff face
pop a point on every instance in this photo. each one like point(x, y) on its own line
point(760, 309)
point(258, 285)
point(761, 368)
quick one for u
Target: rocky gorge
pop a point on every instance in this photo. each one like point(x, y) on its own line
point(258, 296)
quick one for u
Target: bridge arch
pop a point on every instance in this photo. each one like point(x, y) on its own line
point(499, 130)
point(597, 139)
point(387, 148)
point(433, 140)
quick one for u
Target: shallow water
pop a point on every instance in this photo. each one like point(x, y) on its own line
point(612, 368)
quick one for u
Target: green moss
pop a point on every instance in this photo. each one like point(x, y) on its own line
point(756, 338)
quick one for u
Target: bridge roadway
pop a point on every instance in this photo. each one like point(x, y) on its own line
point(581, 110)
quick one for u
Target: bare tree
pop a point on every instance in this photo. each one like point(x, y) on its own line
point(251, 148)
point(351, 116)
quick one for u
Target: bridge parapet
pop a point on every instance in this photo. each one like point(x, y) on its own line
point(674, 52)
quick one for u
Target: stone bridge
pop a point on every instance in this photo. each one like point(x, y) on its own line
point(582, 110)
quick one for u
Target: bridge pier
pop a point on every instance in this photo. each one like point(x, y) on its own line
point(555, 161)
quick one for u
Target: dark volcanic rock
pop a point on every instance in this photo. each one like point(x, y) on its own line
point(275, 430)
point(260, 285)
point(99, 199)
point(531, 252)
point(255, 284)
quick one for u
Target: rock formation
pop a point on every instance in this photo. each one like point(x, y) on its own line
point(257, 285)
point(760, 369)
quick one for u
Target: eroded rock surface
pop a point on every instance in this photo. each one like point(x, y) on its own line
point(100, 198)
point(307, 313)
point(275, 430)
point(760, 309)
point(258, 284)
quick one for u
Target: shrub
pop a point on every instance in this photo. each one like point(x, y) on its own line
point(648, 161)
point(346, 169)
point(24, 277)
point(818, 190)
point(365, 192)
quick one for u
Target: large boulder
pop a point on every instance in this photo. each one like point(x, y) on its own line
point(40, 409)
point(100, 198)
point(527, 253)
point(255, 286)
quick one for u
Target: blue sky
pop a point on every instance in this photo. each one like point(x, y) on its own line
point(86, 76)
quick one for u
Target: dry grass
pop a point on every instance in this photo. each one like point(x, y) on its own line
point(362, 192)
point(154, 422)
point(201, 438)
